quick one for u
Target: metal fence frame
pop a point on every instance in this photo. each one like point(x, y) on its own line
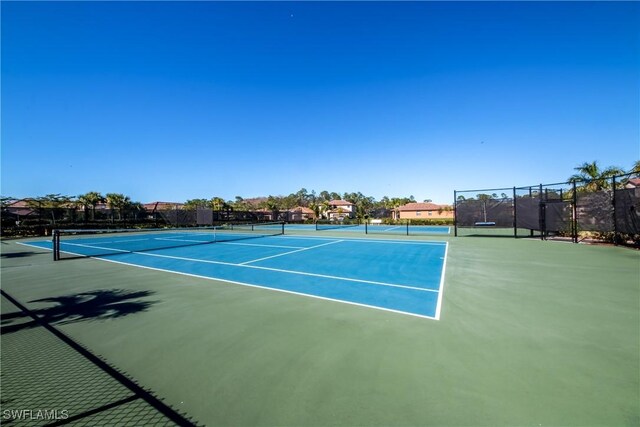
point(553, 204)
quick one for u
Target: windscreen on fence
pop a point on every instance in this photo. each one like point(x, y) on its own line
point(556, 211)
point(485, 208)
point(605, 208)
point(595, 210)
point(527, 207)
point(628, 210)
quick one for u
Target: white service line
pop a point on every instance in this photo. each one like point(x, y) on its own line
point(290, 252)
point(262, 268)
point(279, 270)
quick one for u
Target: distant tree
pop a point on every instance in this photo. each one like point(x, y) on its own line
point(241, 204)
point(118, 202)
point(218, 204)
point(325, 196)
point(302, 197)
point(52, 204)
point(6, 201)
point(193, 204)
point(593, 177)
point(635, 169)
point(90, 199)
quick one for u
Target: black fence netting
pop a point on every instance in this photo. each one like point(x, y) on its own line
point(484, 208)
point(595, 210)
point(628, 210)
point(527, 209)
point(604, 208)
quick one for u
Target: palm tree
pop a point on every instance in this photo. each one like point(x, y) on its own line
point(595, 178)
point(54, 203)
point(119, 202)
point(91, 198)
point(193, 204)
point(218, 204)
point(635, 169)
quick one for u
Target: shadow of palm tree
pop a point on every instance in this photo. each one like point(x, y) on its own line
point(84, 306)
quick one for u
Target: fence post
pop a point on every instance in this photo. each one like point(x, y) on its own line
point(515, 215)
point(574, 213)
point(613, 202)
point(543, 216)
point(455, 216)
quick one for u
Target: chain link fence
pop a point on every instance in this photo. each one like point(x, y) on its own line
point(604, 209)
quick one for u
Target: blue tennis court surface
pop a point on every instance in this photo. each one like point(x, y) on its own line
point(377, 228)
point(400, 276)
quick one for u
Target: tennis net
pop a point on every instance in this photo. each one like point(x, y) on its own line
point(105, 242)
point(332, 225)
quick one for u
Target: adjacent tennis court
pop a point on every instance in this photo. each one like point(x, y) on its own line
point(406, 229)
point(395, 275)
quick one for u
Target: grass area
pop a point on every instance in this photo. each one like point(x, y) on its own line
point(531, 333)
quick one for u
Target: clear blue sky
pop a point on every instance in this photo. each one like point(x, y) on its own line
point(173, 101)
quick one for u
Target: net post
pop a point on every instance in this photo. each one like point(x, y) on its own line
point(366, 227)
point(55, 242)
point(515, 215)
point(455, 217)
point(543, 215)
point(613, 202)
point(408, 227)
point(282, 228)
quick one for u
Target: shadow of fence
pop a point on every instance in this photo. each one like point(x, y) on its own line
point(50, 379)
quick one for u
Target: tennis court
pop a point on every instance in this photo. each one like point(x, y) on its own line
point(530, 332)
point(395, 275)
point(405, 229)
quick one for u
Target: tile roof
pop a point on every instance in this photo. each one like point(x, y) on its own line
point(162, 205)
point(302, 209)
point(340, 203)
point(421, 207)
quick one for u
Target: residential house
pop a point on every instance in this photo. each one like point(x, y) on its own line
point(423, 211)
point(301, 213)
point(633, 183)
point(341, 209)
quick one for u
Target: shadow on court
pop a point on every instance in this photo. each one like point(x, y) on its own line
point(50, 379)
point(84, 306)
point(19, 254)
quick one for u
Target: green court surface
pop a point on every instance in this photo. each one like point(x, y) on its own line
point(531, 333)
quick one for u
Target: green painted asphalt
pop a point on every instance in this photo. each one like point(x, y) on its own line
point(531, 333)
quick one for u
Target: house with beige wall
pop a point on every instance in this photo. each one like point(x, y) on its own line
point(340, 209)
point(423, 211)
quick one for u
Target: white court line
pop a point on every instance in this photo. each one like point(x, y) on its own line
point(260, 245)
point(279, 270)
point(268, 288)
point(227, 243)
point(175, 239)
point(392, 228)
point(290, 252)
point(441, 287)
point(365, 240)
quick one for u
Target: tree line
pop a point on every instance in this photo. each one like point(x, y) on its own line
point(317, 202)
point(121, 204)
